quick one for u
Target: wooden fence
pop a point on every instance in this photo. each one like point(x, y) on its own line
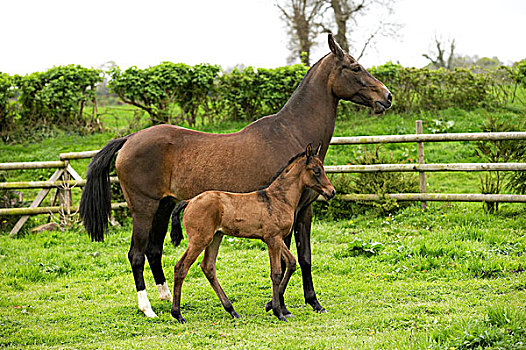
point(65, 177)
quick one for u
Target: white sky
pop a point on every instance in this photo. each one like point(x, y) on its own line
point(37, 34)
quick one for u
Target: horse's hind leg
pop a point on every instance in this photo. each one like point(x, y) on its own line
point(154, 249)
point(142, 222)
point(208, 265)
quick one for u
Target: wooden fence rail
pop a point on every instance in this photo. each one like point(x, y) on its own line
point(65, 177)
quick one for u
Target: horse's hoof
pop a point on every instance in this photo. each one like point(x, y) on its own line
point(178, 317)
point(235, 315)
point(149, 313)
point(289, 315)
point(316, 306)
point(282, 318)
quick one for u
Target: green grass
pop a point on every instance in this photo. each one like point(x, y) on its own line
point(449, 277)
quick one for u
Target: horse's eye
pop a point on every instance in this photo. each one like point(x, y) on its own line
point(317, 172)
point(356, 69)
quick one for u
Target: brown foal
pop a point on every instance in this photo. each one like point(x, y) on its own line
point(266, 214)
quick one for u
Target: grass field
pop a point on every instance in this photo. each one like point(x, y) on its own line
point(449, 277)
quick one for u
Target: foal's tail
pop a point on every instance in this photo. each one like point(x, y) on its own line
point(177, 232)
point(95, 203)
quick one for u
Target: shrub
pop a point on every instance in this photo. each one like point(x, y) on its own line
point(57, 96)
point(501, 151)
point(419, 89)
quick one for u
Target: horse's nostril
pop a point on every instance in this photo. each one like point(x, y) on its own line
point(389, 97)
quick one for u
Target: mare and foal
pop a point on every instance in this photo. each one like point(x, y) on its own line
point(266, 214)
point(165, 164)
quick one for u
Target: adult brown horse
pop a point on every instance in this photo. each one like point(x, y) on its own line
point(164, 164)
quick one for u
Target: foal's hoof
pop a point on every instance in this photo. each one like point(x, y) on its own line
point(284, 310)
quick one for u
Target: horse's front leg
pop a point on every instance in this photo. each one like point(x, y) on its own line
point(302, 229)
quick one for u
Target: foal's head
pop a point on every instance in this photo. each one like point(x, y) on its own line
point(313, 174)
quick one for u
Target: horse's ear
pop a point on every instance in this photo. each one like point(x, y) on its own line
point(335, 48)
point(308, 151)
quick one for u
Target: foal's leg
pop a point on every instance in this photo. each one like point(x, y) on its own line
point(180, 271)
point(274, 251)
point(154, 249)
point(208, 265)
point(142, 222)
point(302, 230)
point(291, 267)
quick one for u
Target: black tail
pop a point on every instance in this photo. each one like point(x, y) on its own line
point(95, 203)
point(177, 232)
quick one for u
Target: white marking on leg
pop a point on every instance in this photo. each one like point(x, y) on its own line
point(164, 292)
point(144, 304)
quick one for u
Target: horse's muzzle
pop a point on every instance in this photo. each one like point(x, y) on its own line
point(382, 106)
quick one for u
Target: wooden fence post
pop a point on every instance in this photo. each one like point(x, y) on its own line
point(64, 194)
point(421, 160)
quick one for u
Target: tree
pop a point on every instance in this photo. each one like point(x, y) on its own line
point(302, 19)
point(345, 19)
point(440, 61)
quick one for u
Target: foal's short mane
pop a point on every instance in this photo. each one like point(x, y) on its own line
point(278, 173)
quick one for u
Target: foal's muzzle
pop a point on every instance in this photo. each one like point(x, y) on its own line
point(329, 194)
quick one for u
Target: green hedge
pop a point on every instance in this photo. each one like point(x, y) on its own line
point(56, 98)
point(418, 89)
point(176, 92)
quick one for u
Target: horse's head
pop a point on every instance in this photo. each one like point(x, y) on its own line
point(314, 175)
point(351, 82)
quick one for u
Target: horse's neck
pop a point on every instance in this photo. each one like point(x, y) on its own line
point(310, 113)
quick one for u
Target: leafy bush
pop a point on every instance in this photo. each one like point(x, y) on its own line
point(57, 96)
point(418, 89)
point(236, 98)
point(200, 91)
point(501, 151)
point(155, 89)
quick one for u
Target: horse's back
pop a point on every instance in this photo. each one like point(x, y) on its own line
point(167, 160)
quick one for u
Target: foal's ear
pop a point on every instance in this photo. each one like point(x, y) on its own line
point(317, 153)
point(308, 151)
point(335, 48)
